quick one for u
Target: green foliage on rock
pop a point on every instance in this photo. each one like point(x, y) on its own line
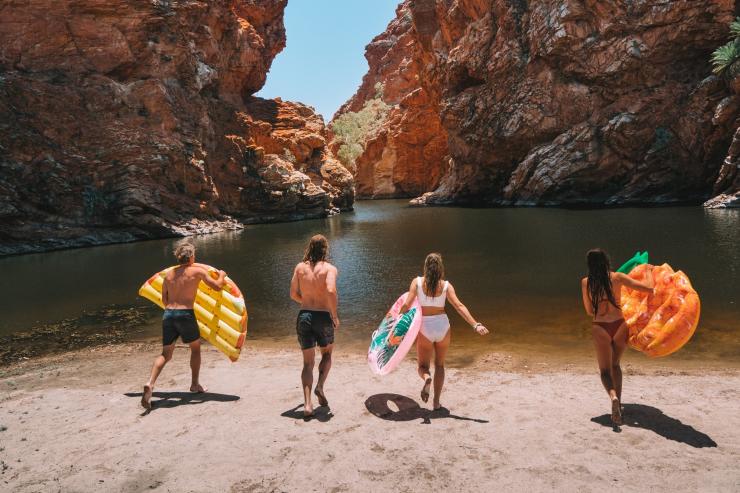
point(353, 129)
point(725, 57)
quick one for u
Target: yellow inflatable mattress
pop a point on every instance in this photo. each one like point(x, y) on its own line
point(221, 315)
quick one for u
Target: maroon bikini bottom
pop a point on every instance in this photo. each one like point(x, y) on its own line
point(611, 328)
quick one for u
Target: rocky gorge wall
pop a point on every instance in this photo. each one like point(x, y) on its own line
point(128, 119)
point(557, 102)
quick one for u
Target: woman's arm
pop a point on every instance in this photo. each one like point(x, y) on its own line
point(463, 311)
point(646, 287)
point(411, 297)
point(586, 300)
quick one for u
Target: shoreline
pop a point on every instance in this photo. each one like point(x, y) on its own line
point(91, 237)
point(73, 422)
point(518, 361)
point(120, 328)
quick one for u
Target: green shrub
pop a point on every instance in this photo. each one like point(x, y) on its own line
point(353, 129)
point(735, 27)
point(725, 56)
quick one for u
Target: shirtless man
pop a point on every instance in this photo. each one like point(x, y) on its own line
point(178, 296)
point(314, 287)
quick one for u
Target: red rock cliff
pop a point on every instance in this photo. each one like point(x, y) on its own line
point(127, 119)
point(407, 156)
point(560, 101)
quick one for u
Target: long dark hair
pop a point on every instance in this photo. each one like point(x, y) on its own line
point(599, 280)
point(317, 249)
point(434, 271)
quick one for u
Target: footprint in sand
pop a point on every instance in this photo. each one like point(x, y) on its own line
point(376, 447)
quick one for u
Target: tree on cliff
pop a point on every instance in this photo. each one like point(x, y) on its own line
point(353, 129)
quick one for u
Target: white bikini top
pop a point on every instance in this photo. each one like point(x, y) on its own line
point(424, 300)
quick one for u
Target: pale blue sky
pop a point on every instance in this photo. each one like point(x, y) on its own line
point(324, 60)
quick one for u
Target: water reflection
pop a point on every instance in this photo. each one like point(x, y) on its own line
point(518, 270)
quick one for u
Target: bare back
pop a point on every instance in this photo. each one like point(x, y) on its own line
point(317, 285)
point(606, 311)
point(181, 284)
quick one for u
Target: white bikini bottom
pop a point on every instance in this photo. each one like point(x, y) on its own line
point(435, 327)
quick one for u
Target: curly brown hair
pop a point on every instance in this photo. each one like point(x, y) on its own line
point(184, 252)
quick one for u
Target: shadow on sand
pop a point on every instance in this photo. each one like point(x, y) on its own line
point(653, 419)
point(174, 399)
point(408, 410)
point(320, 413)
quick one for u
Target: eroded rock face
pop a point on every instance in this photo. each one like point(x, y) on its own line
point(407, 156)
point(124, 119)
point(568, 102)
point(727, 186)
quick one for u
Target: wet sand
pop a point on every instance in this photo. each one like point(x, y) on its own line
point(73, 423)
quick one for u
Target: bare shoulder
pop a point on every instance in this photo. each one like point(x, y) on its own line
point(618, 276)
point(330, 268)
point(197, 270)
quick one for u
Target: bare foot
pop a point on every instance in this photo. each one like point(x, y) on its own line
point(437, 406)
point(616, 412)
point(425, 390)
point(322, 398)
point(307, 411)
point(146, 398)
point(198, 389)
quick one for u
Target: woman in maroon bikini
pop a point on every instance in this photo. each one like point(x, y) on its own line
point(602, 293)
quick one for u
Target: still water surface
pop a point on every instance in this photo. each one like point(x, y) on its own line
point(517, 270)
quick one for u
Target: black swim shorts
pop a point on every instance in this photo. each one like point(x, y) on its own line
point(179, 323)
point(314, 327)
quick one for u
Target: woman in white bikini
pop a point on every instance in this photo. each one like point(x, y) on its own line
point(433, 291)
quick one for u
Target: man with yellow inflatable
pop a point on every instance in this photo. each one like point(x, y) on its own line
point(179, 289)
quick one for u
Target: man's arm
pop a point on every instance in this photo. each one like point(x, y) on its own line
point(165, 294)
point(331, 290)
point(217, 283)
point(295, 289)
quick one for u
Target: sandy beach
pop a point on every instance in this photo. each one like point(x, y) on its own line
point(72, 422)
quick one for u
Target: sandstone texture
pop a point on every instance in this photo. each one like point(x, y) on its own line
point(129, 119)
point(558, 102)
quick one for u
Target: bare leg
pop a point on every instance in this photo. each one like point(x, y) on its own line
point(159, 363)
point(309, 359)
point(424, 350)
point(619, 344)
point(195, 385)
point(440, 352)
point(603, 345)
point(324, 367)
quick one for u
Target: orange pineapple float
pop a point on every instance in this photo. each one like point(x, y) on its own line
point(662, 323)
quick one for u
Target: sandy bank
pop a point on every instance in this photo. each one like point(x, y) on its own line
point(72, 423)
